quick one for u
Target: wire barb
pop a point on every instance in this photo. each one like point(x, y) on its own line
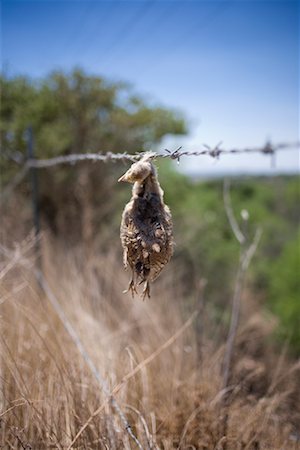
point(268, 149)
point(214, 152)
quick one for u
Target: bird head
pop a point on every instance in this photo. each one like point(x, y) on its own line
point(139, 171)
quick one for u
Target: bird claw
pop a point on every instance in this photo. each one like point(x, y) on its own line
point(146, 290)
point(131, 288)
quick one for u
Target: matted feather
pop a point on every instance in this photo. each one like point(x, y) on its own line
point(146, 227)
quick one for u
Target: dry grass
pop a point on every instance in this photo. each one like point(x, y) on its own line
point(175, 401)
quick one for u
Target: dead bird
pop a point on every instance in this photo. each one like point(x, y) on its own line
point(146, 228)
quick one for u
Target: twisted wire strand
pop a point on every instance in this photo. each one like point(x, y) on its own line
point(214, 152)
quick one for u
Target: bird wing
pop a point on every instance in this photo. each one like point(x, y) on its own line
point(148, 244)
point(163, 247)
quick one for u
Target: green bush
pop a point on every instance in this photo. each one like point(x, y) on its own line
point(284, 295)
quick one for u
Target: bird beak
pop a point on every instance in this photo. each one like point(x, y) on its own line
point(126, 177)
point(123, 178)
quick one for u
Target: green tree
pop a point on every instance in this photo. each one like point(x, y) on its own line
point(284, 297)
point(77, 113)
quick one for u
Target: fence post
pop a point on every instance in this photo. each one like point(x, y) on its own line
point(34, 199)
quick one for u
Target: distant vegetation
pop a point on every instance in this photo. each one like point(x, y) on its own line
point(76, 113)
point(178, 400)
point(73, 113)
point(207, 245)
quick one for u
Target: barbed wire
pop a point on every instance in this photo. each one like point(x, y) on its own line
point(214, 152)
point(268, 149)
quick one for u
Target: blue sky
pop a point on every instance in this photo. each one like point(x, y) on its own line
point(231, 65)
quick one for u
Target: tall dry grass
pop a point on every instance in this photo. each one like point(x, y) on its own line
point(50, 399)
